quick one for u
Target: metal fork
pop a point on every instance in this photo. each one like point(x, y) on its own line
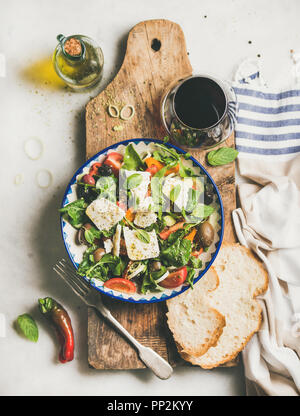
point(160, 367)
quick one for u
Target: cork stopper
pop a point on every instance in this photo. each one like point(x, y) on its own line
point(73, 47)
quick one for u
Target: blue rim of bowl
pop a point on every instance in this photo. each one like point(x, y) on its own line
point(147, 141)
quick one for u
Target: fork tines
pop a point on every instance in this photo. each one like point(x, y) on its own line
point(77, 283)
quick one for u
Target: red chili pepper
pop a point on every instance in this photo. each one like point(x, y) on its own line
point(61, 321)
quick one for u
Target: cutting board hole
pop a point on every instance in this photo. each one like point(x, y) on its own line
point(156, 45)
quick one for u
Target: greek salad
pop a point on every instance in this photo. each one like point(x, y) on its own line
point(144, 219)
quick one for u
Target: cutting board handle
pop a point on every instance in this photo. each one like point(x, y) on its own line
point(155, 56)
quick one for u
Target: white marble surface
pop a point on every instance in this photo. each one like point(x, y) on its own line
point(31, 241)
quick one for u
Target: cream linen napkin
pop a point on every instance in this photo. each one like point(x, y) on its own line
point(268, 140)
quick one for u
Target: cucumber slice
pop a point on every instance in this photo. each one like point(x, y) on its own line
point(169, 221)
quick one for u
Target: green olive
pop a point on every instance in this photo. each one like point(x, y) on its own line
point(98, 254)
point(206, 233)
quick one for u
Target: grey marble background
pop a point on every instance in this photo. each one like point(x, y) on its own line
point(219, 35)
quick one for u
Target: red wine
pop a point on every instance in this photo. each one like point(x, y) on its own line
point(199, 102)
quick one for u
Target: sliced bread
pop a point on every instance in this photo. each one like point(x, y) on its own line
point(195, 325)
point(242, 278)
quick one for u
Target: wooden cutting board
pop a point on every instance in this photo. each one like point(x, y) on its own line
point(156, 55)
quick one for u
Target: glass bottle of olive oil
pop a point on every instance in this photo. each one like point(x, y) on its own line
point(78, 61)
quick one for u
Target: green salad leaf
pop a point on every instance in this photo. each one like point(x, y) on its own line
point(177, 254)
point(149, 284)
point(106, 187)
point(171, 158)
point(190, 277)
point(108, 266)
point(132, 160)
point(202, 211)
point(91, 234)
point(28, 327)
point(159, 273)
point(185, 171)
point(175, 236)
point(222, 156)
point(75, 212)
point(195, 262)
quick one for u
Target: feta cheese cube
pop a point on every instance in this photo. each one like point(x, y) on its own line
point(137, 249)
point(184, 183)
point(117, 241)
point(108, 245)
point(104, 213)
point(145, 219)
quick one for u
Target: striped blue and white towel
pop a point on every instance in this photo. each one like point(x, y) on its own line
point(268, 123)
point(268, 140)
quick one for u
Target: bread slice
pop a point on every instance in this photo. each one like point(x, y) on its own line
point(195, 325)
point(242, 278)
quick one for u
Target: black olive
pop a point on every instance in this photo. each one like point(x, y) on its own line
point(85, 192)
point(155, 266)
point(208, 193)
point(105, 170)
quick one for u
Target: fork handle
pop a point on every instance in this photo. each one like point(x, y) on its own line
point(160, 367)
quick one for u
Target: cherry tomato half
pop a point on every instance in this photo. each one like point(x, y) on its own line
point(121, 285)
point(114, 160)
point(175, 278)
point(153, 169)
point(122, 205)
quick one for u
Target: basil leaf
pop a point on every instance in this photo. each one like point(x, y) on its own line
point(222, 156)
point(174, 194)
point(133, 181)
point(28, 327)
point(202, 211)
point(132, 160)
point(143, 236)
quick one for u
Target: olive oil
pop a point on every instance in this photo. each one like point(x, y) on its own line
point(78, 61)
